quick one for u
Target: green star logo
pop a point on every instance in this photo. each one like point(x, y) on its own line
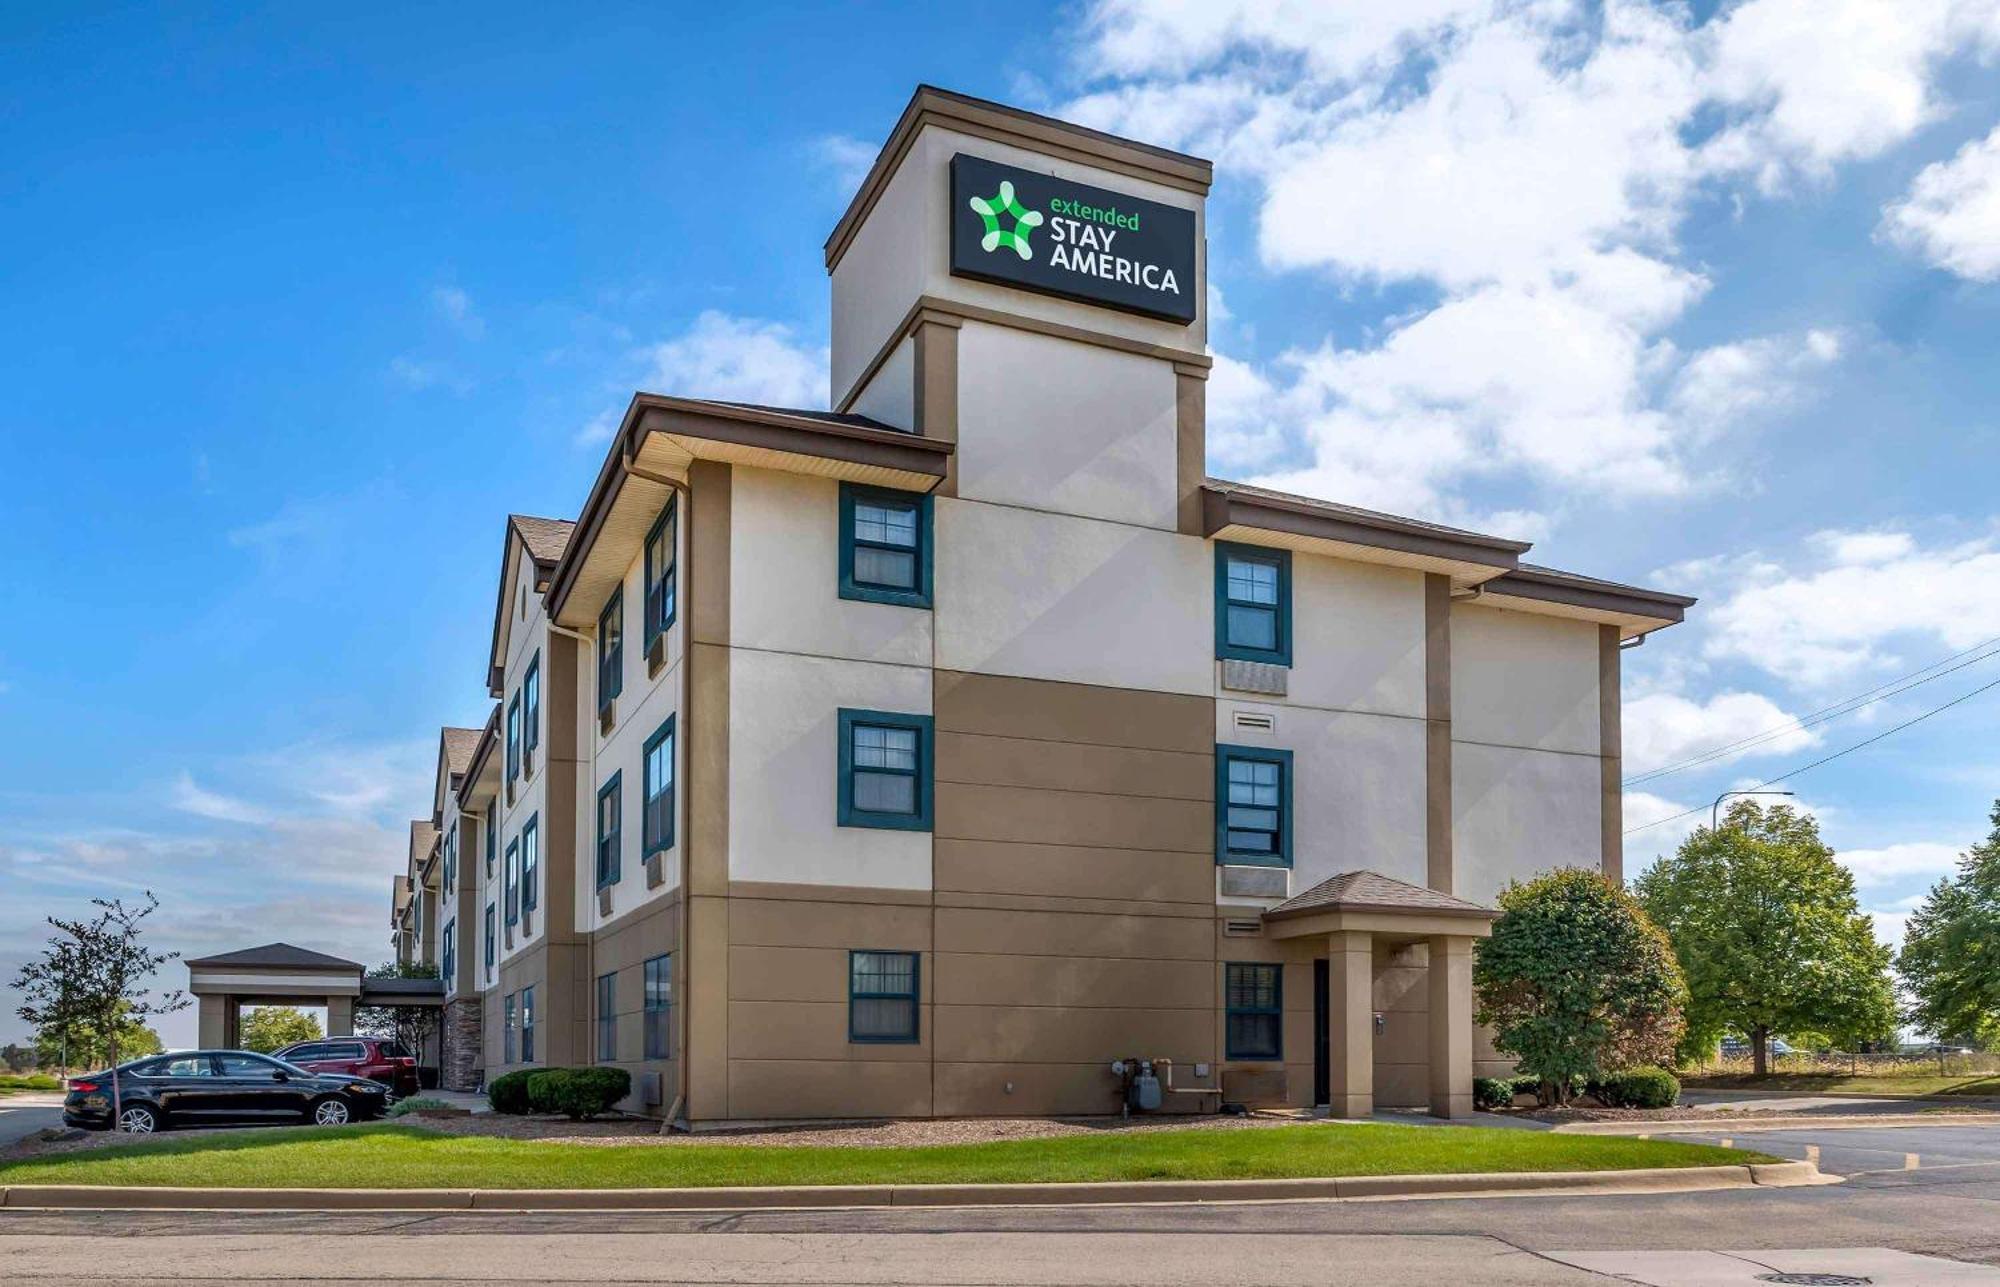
point(989, 210)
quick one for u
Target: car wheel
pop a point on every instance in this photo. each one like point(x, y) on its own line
point(138, 1120)
point(331, 1112)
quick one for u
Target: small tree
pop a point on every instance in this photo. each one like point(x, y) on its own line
point(18, 1058)
point(273, 1027)
point(86, 1047)
point(1950, 962)
point(1575, 981)
point(93, 975)
point(410, 1025)
point(1768, 929)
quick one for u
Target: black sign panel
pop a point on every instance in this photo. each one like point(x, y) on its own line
point(1021, 228)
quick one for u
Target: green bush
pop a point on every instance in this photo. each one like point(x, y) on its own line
point(1639, 1088)
point(1492, 1092)
point(29, 1081)
point(508, 1093)
point(414, 1103)
point(578, 1093)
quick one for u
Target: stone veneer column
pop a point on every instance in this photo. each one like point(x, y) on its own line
point(1451, 1025)
point(463, 1038)
point(1350, 1028)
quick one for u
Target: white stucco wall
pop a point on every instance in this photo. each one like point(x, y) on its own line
point(784, 758)
point(784, 584)
point(1056, 425)
point(890, 395)
point(1517, 813)
point(528, 638)
point(1518, 679)
point(1357, 637)
point(1045, 596)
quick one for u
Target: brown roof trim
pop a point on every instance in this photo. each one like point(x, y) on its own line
point(544, 566)
point(1394, 909)
point(1548, 585)
point(825, 434)
point(489, 738)
point(1227, 504)
point(1012, 125)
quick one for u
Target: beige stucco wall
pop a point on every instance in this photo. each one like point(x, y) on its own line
point(527, 638)
point(1519, 679)
point(890, 395)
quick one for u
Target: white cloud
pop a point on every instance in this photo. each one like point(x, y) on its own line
point(1951, 217)
point(414, 373)
point(190, 798)
point(1912, 860)
point(1827, 624)
point(1649, 834)
point(1667, 728)
point(455, 306)
point(846, 159)
point(738, 359)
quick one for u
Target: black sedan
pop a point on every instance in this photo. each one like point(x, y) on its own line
point(205, 1087)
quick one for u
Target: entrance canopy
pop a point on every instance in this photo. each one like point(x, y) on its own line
point(281, 974)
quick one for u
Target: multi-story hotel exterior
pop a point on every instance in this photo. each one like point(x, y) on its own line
point(926, 755)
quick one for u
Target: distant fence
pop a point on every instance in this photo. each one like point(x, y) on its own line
point(1851, 1063)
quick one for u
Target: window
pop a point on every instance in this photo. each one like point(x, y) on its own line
point(450, 860)
point(514, 739)
point(490, 832)
point(660, 1007)
point(531, 705)
point(611, 649)
point(179, 1066)
point(885, 770)
point(489, 940)
point(609, 807)
point(513, 882)
point(885, 546)
point(531, 864)
point(527, 1025)
point(247, 1067)
point(1253, 603)
point(307, 1053)
point(657, 823)
point(1253, 816)
point(1254, 996)
point(450, 953)
point(607, 1018)
point(660, 574)
point(882, 996)
point(508, 1029)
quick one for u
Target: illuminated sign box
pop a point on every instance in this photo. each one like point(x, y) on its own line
point(1021, 228)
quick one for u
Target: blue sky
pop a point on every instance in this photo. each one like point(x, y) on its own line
point(297, 307)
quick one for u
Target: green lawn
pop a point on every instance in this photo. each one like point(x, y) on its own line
point(402, 1157)
point(1862, 1084)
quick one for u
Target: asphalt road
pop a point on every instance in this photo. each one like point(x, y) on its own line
point(24, 1114)
point(1946, 1209)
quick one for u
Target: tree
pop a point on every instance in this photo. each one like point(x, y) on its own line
point(273, 1027)
point(1950, 962)
point(92, 976)
point(1768, 930)
point(18, 1058)
point(1575, 981)
point(85, 1047)
point(410, 1025)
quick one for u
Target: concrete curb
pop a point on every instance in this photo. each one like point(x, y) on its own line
point(1792, 1122)
point(1122, 1193)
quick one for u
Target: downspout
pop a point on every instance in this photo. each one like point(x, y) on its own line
point(684, 569)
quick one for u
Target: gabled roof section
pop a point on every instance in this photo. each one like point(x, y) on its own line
point(423, 839)
point(1635, 610)
point(544, 540)
point(455, 748)
point(1371, 891)
point(279, 956)
point(661, 437)
point(476, 770)
point(981, 118)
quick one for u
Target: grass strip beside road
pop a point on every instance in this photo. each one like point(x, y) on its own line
point(1843, 1084)
point(404, 1157)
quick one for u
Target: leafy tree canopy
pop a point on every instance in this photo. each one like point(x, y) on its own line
point(88, 1048)
point(1768, 930)
point(273, 1027)
point(1576, 981)
point(410, 1025)
point(1950, 962)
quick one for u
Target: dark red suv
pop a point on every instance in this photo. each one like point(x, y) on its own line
point(385, 1061)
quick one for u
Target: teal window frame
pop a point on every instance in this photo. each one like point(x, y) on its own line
point(659, 1006)
point(1281, 560)
point(510, 1025)
point(448, 953)
point(610, 866)
point(492, 925)
point(611, 659)
point(607, 1017)
point(913, 995)
point(1226, 755)
point(848, 815)
point(531, 705)
point(918, 596)
point(663, 583)
point(1243, 985)
point(656, 801)
point(491, 831)
point(531, 863)
point(514, 737)
point(513, 882)
point(527, 1025)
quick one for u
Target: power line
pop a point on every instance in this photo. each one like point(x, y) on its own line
point(1826, 714)
point(1828, 759)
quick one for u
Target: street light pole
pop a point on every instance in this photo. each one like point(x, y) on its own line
point(1715, 810)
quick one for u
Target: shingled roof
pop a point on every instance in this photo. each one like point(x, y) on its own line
point(459, 744)
point(422, 837)
point(1371, 891)
point(546, 538)
point(280, 956)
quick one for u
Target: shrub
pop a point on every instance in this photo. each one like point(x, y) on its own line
point(508, 1093)
point(414, 1104)
point(1492, 1092)
point(1639, 1088)
point(578, 1093)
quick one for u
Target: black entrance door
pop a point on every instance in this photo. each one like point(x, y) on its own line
point(1322, 1088)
